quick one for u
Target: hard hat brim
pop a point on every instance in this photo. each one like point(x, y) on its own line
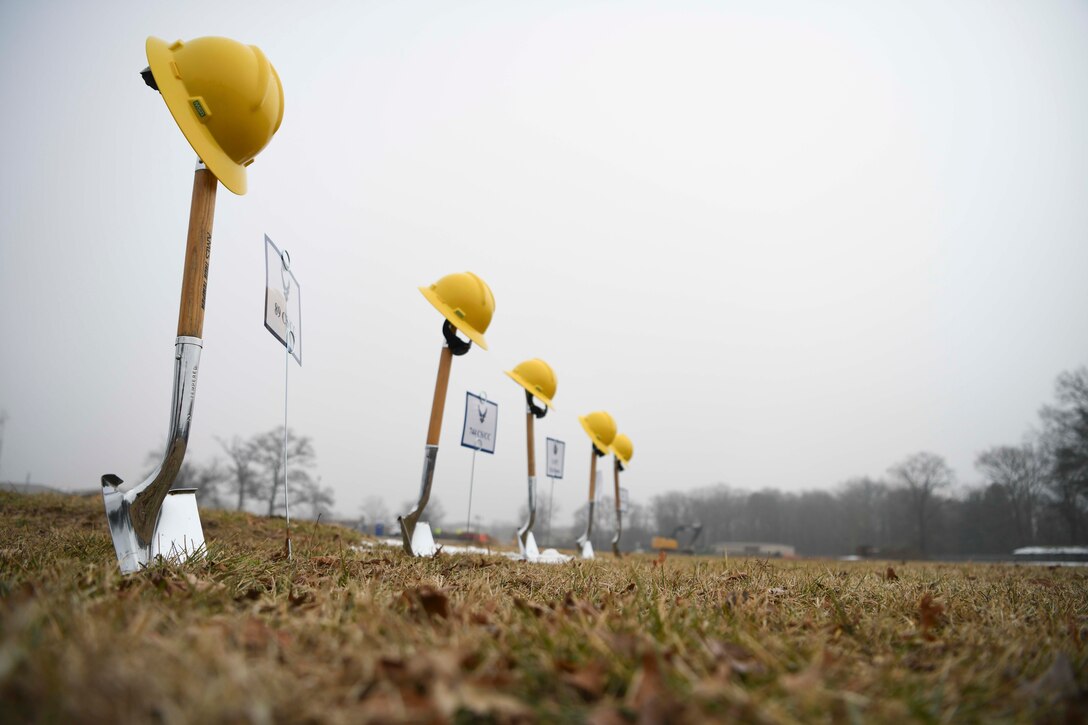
point(454, 320)
point(231, 174)
point(624, 459)
point(529, 388)
point(592, 436)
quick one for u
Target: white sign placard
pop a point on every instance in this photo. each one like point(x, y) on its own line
point(556, 452)
point(481, 423)
point(282, 300)
point(624, 501)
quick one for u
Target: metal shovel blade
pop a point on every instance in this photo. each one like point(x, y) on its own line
point(422, 540)
point(179, 536)
point(584, 541)
point(416, 535)
point(616, 535)
point(528, 547)
point(525, 533)
point(135, 512)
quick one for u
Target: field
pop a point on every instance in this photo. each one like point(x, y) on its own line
point(349, 634)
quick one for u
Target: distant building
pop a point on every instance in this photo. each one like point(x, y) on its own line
point(754, 549)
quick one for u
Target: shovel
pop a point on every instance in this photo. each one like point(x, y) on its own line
point(583, 541)
point(526, 540)
point(466, 302)
point(416, 535)
point(144, 520)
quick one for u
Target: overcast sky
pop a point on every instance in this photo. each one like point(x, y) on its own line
point(783, 243)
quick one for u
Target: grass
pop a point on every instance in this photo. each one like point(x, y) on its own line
point(343, 634)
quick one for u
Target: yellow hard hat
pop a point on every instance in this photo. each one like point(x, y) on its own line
point(226, 98)
point(466, 301)
point(537, 377)
point(600, 428)
point(622, 448)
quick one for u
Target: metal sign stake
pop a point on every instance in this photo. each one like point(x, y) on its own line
point(286, 494)
point(556, 451)
point(551, 500)
point(471, 479)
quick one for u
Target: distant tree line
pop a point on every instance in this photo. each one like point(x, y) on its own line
point(250, 476)
point(1031, 494)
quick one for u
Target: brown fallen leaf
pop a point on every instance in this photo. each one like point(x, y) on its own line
point(647, 682)
point(168, 584)
point(572, 602)
point(433, 601)
point(649, 695)
point(737, 658)
point(588, 680)
point(931, 615)
point(258, 637)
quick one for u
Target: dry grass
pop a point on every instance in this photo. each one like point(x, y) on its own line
point(341, 635)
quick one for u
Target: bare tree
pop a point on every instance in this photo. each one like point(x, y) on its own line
point(242, 476)
point(671, 509)
point(268, 459)
point(863, 501)
point(375, 511)
point(207, 479)
point(1022, 471)
point(921, 475)
point(1065, 438)
point(319, 498)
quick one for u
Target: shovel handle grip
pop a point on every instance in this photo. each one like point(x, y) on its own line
point(438, 405)
point(198, 249)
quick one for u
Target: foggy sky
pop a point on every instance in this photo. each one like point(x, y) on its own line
point(783, 243)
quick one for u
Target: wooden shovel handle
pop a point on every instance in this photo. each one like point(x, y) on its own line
point(198, 249)
point(438, 405)
point(592, 474)
point(529, 441)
